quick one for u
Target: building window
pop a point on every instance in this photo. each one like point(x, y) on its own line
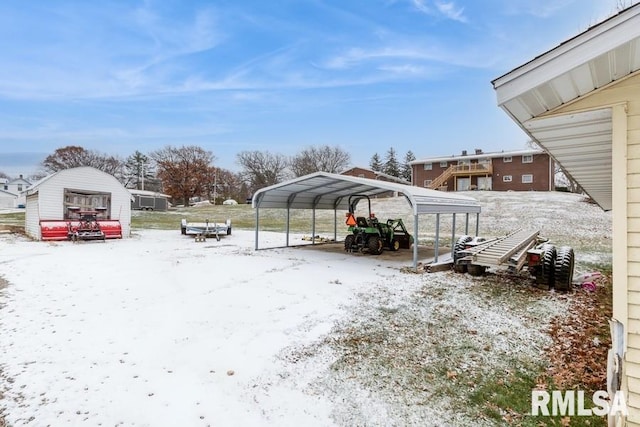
point(444, 164)
point(427, 182)
point(527, 179)
point(528, 158)
point(428, 166)
point(360, 175)
point(6, 187)
point(19, 187)
point(507, 178)
point(507, 159)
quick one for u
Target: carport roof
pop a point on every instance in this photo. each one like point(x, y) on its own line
point(323, 190)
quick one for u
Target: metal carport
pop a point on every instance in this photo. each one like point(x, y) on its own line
point(322, 190)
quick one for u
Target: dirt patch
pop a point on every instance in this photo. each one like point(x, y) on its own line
point(425, 253)
point(7, 228)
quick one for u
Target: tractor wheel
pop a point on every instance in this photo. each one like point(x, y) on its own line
point(395, 245)
point(549, 265)
point(476, 270)
point(564, 268)
point(375, 245)
point(348, 242)
point(229, 231)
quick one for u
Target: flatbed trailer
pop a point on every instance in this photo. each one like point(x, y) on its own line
point(202, 230)
point(550, 266)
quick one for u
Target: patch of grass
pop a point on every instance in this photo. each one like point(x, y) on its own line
point(12, 218)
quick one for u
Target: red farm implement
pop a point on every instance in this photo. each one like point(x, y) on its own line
point(86, 226)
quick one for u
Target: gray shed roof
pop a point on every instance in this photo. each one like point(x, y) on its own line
point(323, 190)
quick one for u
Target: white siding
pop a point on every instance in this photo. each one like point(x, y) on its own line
point(626, 304)
point(32, 217)
point(7, 200)
point(50, 196)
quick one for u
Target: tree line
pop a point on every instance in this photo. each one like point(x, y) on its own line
point(189, 171)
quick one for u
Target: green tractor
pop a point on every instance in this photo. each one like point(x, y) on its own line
point(371, 235)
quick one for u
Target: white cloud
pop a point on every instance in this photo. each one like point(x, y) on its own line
point(451, 11)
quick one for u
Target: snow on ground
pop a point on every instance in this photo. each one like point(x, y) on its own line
point(158, 330)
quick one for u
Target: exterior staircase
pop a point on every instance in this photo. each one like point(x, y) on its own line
point(484, 168)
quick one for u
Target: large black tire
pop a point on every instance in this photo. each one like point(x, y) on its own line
point(348, 242)
point(476, 270)
point(549, 264)
point(374, 245)
point(460, 245)
point(565, 259)
point(395, 245)
point(229, 231)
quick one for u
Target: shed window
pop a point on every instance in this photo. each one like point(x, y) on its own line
point(507, 159)
point(507, 178)
point(528, 158)
point(427, 182)
point(444, 164)
point(527, 179)
point(428, 166)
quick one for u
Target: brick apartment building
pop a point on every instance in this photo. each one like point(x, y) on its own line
point(371, 174)
point(521, 170)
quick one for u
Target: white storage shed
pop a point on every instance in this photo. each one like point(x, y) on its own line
point(8, 200)
point(86, 188)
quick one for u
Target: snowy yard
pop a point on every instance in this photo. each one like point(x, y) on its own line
point(158, 330)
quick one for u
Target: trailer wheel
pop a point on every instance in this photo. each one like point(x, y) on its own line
point(476, 270)
point(375, 245)
point(564, 268)
point(549, 264)
point(348, 242)
point(229, 231)
point(395, 244)
point(460, 245)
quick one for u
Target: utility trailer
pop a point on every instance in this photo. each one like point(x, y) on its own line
point(202, 230)
point(550, 266)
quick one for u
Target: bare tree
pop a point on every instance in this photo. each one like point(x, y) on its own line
point(4, 175)
point(320, 159)
point(227, 185)
point(73, 156)
point(261, 168)
point(185, 172)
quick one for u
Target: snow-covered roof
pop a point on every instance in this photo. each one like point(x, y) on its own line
point(378, 174)
point(148, 193)
point(579, 142)
point(323, 190)
point(476, 156)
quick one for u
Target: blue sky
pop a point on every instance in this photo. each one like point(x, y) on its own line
point(279, 76)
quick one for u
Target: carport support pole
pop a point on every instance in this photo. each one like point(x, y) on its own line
point(313, 227)
point(335, 225)
point(288, 218)
point(437, 243)
point(477, 224)
point(257, 225)
point(453, 232)
point(466, 224)
point(415, 242)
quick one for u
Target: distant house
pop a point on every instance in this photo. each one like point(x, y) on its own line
point(8, 200)
point(16, 186)
point(371, 174)
point(521, 170)
point(149, 200)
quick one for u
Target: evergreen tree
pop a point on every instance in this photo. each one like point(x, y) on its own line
point(138, 171)
point(375, 164)
point(406, 167)
point(391, 165)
